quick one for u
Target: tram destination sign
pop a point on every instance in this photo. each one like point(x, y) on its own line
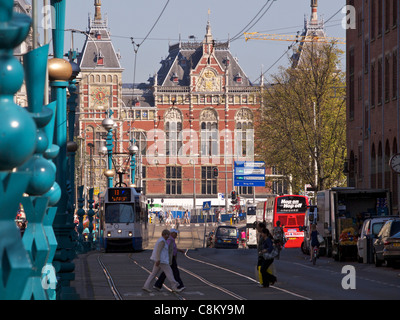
point(249, 173)
point(119, 194)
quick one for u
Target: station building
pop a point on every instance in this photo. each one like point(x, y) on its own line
point(192, 119)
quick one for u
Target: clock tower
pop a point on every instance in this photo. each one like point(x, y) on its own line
point(100, 91)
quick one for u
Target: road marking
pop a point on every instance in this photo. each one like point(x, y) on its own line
point(249, 278)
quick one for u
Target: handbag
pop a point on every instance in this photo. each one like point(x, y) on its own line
point(271, 255)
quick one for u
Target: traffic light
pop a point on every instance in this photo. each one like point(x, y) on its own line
point(215, 172)
point(233, 197)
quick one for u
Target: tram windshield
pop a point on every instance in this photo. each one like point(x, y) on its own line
point(120, 213)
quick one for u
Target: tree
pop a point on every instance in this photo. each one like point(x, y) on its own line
point(301, 130)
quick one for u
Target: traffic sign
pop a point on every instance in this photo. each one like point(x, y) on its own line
point(206, 205)
point(249, 174)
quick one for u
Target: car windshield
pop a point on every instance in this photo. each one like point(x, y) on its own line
point(376, 227)
point(397, 235)
point(395, 227)
point(228, 232)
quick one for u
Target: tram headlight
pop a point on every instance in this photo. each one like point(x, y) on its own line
point(108, 234)
point(130, 233)
point(119, 231)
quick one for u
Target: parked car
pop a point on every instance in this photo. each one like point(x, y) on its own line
point(226, 237)
point(390, 228)
point(391, 249)
point(369, 230)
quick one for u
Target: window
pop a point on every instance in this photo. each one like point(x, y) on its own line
point(386, 84)
point(244, 133)
point(209, 132)
point(380, 13)
point(208, 182)
point(387, 14)
point(173, 128)
point(173, 180)
point(351, 83)
point(394, 78)
point(372, 84)
point(373, 6)
point(379, 81)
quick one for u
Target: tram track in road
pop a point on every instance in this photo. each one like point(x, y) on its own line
point(244, 276)
point(110, 279)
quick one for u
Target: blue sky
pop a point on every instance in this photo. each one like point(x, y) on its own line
point(134, 18)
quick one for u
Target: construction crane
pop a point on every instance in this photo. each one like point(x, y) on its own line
point(297, 38)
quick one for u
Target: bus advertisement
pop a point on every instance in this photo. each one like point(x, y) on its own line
point(290, 210)
point(251, 232)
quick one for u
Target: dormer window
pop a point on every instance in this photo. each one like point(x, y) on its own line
point(98, 35)
point(238, 78)
point(100, 59)
point(174, 78)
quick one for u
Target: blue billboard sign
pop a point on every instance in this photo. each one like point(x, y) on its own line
point(249, 173)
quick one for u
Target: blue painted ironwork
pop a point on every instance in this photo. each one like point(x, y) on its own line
point(90, 214)
point(63, 222)
point(39, 240)
point(17, 144)
point(80, 212)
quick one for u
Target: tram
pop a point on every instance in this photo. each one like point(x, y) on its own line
point(123, 220)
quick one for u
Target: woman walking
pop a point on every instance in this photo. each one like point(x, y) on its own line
point(162, 258)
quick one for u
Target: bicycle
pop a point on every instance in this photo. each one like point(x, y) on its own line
point(315, 255)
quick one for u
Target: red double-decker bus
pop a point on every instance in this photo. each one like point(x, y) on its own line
point(290, 210)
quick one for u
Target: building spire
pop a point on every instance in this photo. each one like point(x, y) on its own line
point(208, 37)
point(314, 9)
point(97, 6)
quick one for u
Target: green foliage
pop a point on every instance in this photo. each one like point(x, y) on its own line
point(302, 123)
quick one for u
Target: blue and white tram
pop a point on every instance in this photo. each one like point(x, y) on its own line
point(123, 220)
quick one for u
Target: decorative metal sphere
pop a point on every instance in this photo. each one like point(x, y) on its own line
point(54, 194)
point(75, 70)
point(17, 136)
point(109, 173)
point(59, 69)
point(43, 175)
point(108, 124)
point(133, 150)
point(103, 150)
point(72, 146)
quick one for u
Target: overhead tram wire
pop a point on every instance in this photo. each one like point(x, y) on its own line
point(290, 47)
point(136, 46)
point(248, 26)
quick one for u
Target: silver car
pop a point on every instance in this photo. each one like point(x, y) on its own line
point(370, 230)
point(390, 228)
point(391, 249)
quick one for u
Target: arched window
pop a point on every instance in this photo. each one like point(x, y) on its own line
point(173, 127)
point(244, 133)
point(373, 167)
point(209, 132)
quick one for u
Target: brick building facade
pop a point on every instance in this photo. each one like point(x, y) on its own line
point(373, 113)
point(194, 115)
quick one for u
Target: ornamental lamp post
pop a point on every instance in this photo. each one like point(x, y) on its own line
point(108, 124)
point(133, 150)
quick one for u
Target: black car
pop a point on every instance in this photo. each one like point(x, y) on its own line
point(390, 228)
point(225, 237)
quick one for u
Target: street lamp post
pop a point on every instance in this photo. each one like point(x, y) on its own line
point(133, 150)
point(108, 124)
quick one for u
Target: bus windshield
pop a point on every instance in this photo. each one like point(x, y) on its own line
point(120, 213)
